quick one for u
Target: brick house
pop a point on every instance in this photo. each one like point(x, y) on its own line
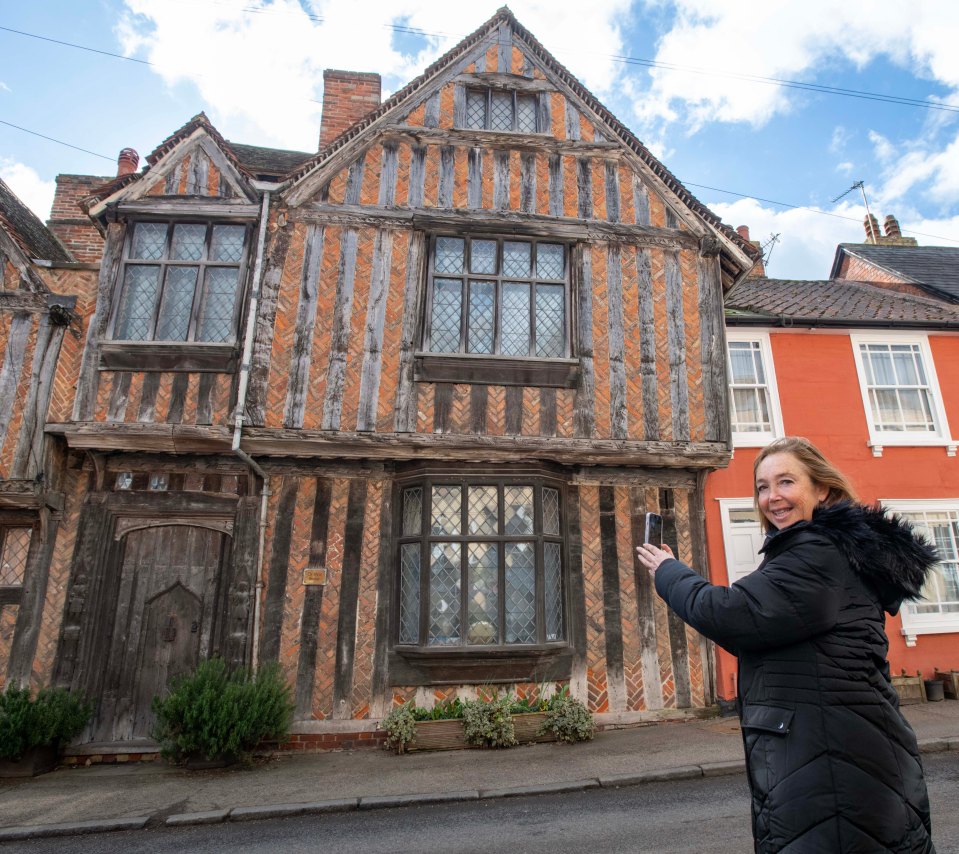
point(869, 371)
point(390, 413)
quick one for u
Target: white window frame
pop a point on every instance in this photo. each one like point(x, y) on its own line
point(756, 439)
point(726, 505)
point(914, 624)
point(941, 435)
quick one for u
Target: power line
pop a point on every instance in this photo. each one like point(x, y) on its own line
point(58, 141)
point(77, 46)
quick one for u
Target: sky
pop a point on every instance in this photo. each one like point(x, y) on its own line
point(740, 100)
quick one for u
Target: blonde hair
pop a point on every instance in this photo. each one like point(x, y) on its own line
point(820, 470)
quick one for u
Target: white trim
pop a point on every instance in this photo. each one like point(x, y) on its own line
point(757, 440)
point(914, 624)
point(878, 439)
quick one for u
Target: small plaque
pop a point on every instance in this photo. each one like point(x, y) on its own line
point(314, 576)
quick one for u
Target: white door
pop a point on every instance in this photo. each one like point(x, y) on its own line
point(743, 538)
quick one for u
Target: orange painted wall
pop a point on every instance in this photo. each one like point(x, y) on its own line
point(820, 399)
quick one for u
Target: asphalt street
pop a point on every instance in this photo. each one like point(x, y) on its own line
point(705, 814)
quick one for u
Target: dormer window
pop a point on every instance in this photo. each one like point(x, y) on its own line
point(494, 109)
point(180, 282)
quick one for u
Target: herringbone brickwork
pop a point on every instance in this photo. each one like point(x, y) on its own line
point(682, 501)
point(593, 591)
point(662, 346)
point(295, 590)
point(366, 605)
point(689, 267)
point(632, 662)
point(601, 399)
point(631, 354)
point(284, 326)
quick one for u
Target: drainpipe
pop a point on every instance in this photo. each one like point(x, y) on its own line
point(238, 424)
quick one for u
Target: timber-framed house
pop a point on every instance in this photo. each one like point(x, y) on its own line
point(391, 414)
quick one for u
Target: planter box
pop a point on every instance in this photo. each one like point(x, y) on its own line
point(950, 683)
point(527, 728)
point(910, 689)
point(438, 735)
point(37, 760)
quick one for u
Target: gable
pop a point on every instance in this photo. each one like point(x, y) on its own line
point(430, 115)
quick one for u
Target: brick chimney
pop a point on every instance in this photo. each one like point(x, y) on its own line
point(893, 235)
point(127, 162)
point(759, 271)
point(347, 97)
point(69, 222)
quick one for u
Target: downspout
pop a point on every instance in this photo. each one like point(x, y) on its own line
point(238, 425)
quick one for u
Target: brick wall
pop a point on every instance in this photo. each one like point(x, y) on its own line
point(857, 270)
point(69, 222)
point(347, 97)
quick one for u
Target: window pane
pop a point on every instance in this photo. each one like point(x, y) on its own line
point(514, 337)
point(518, 513)
point(227, 243)
point(444, 594)
point(501, 111)
point(445, 321)
point(483, 604)
point(750, 410)
point(553, 583)
point(483, 518)
point(885, 409)
point(445, 516)
point(13, 562)
point(483, 256)
point(550, 511)
point(516, 259)
point(135, 315)
point(881, 363)
point(525, 114)
point(412, 511)
point(550, 261)
point(520, 593)
point(149, 240)
point(550, 321)
point(482, 307)
point(410, 593)
point(449, 255)
point(475, 109)
point(915, 409)
point(742, 364)
point(188, 241)
point(177, 306)
point(217, 306)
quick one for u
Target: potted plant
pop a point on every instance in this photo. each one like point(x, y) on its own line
point(568, 719)
point(216, 716)
point(33, 729)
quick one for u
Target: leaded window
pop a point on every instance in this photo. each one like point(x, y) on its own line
point(494, 109)
point(498, 296)
point(13, 555)
point(480, 564)
point(180, 282)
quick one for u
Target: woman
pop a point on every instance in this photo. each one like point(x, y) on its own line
point(832, 764)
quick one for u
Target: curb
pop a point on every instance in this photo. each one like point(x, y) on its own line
point(371, 802)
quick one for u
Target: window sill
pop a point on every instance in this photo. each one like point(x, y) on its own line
point(877, 444)
point(428, 666)
point(495, 370)
point(153, 356)
point(916, 626)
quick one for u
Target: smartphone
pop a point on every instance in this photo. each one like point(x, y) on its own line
point(654, 529)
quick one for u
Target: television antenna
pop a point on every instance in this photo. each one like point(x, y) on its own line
point(771, 243)
point(861, 186)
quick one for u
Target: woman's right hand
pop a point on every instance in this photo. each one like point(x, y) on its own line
point(651, 557)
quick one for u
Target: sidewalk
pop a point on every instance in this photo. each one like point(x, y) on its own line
point(121, 797)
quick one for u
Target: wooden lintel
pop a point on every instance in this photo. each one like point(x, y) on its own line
point(501, 80)
point(181, 206)
point(505, 140)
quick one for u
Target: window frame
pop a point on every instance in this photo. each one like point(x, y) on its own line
point(515, 94)
point(166, 262)
point(12, 594)
point(941, 435)
point(499, 280)
point(755, 439)
point(464, 649)
point(914, 623)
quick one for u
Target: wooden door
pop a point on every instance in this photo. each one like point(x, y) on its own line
point(165, 621)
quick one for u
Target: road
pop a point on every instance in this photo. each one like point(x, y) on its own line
point(684, 816)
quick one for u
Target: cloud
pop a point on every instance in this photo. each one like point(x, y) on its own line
point(918, 167)
point(795, 41)
point(807, 237)
point(5, 87)
point(33, 191)
point(259, 65)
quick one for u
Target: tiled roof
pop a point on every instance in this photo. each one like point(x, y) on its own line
point(26, 229)
point(832, 301)
point(936, 267)
point(275, 162)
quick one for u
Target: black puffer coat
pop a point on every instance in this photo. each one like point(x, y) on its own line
point(833, 766)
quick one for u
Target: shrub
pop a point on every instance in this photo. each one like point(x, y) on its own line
point(568, 719)
point(217, 714)
point(400, 726)
point(54, 716)
point(488, 723)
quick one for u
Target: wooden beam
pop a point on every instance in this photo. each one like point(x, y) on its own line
point(301, 357)
point(676, 338)
point(495, 139)
point(373, 340)
point(340, 339)
point(225, 209)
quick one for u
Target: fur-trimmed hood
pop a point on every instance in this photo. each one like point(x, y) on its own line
point(882, 549)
